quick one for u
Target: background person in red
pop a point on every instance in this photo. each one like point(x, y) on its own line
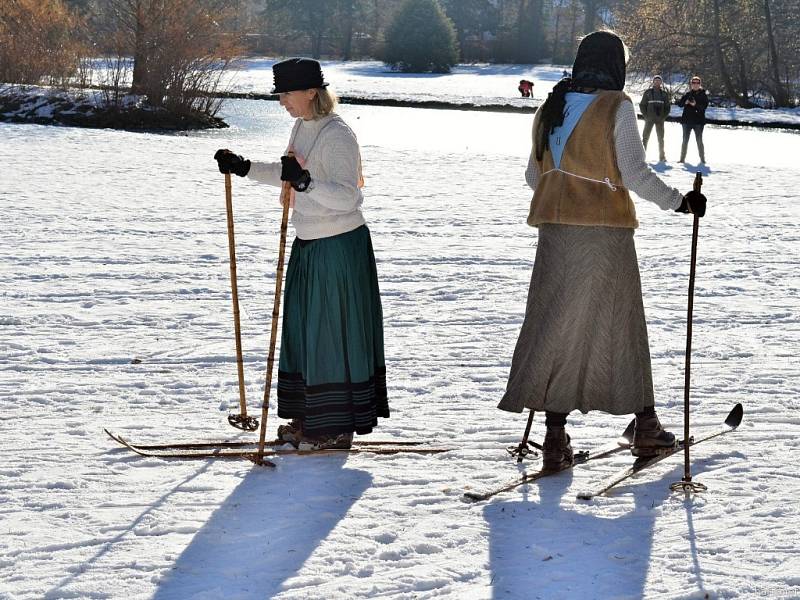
point(525, 88)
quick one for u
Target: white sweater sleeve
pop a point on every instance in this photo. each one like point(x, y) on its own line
point(637, 176)
point(270, 172)
point(263, 172)
point(335, 181)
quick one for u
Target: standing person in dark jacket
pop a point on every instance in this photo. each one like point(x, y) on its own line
point(694, 103)
point(655, 110)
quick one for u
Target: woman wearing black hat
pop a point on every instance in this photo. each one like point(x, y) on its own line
point(331, 375)
point(583, 344)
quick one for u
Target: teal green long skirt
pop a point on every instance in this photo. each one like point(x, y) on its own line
point(332, 372)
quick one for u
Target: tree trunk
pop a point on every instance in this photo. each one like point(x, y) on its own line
point(589, 15)
point(573, 35)
point(744, 84)
point(139, 83)
point(530, 33)
point(316, 45)
point(554, 51)
point(730, 89)
point(347, 33)
point(779, 93)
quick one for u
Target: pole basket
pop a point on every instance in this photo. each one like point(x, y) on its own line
point(524, 449)
point(688, 487)
point(261, 461)
point(243, 422)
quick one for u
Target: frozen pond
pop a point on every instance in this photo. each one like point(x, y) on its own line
point(113, 248)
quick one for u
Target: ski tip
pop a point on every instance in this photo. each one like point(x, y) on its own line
point(734, 418)
point(113, 436)
point(585, 495)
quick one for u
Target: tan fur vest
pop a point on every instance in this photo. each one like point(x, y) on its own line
point(566, 199)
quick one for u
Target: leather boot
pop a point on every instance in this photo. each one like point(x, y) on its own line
point(292, 432)
point(556, 451)
point(649, 437)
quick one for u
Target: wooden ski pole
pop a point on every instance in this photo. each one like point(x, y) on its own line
point(286, 195)
point(686, 484)
point(240, 421)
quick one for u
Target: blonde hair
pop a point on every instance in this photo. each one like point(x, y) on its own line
point(324, 103)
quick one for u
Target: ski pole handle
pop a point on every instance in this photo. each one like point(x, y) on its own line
point(698, 181)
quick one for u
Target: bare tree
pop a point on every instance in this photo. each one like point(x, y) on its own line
point(179, 47)
point(40, 40)
point(734, 44)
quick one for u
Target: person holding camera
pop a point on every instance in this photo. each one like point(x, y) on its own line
point(694, 104)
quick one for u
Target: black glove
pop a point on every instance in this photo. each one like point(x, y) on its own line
point(693, 202)
point(292, 172)
point(231, 163)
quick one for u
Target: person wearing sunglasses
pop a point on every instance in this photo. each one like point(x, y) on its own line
point(694, 104)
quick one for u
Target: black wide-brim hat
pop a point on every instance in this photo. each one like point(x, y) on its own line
point(297, 74)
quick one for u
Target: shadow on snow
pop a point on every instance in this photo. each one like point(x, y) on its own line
point(547, 550)
point(265, 530)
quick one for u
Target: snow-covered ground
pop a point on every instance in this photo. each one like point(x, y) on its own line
point(114, 248)
point(480, 85)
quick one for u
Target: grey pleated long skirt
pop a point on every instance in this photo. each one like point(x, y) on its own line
point(583, 344)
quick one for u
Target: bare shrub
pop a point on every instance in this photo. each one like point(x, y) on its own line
point(180, 51)
point(41, 41)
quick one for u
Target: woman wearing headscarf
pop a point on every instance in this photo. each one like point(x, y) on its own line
point(331, 373)
point(583, 343)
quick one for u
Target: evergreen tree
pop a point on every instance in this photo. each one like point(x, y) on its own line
point(421, 38)
point(308, 18)
point(471, 19)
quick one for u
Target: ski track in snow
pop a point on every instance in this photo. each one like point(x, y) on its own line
point(114, 248)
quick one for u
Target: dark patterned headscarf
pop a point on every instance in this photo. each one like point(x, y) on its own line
point(599, 64)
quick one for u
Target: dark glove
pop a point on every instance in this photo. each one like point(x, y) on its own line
point(292, 172)
point(231, 163)
point(693, 202)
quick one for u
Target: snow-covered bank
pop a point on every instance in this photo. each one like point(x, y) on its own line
point(483, 86)
point(94, 109)
point(114, 247)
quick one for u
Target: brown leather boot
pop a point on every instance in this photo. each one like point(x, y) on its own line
point(292, 432)
point(556, 451)
point(650, 438)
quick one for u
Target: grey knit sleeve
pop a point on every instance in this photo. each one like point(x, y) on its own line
point(637, 176)
point(532, 172)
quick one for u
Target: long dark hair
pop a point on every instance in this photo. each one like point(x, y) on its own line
point(552, 115)
point(599, 64)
